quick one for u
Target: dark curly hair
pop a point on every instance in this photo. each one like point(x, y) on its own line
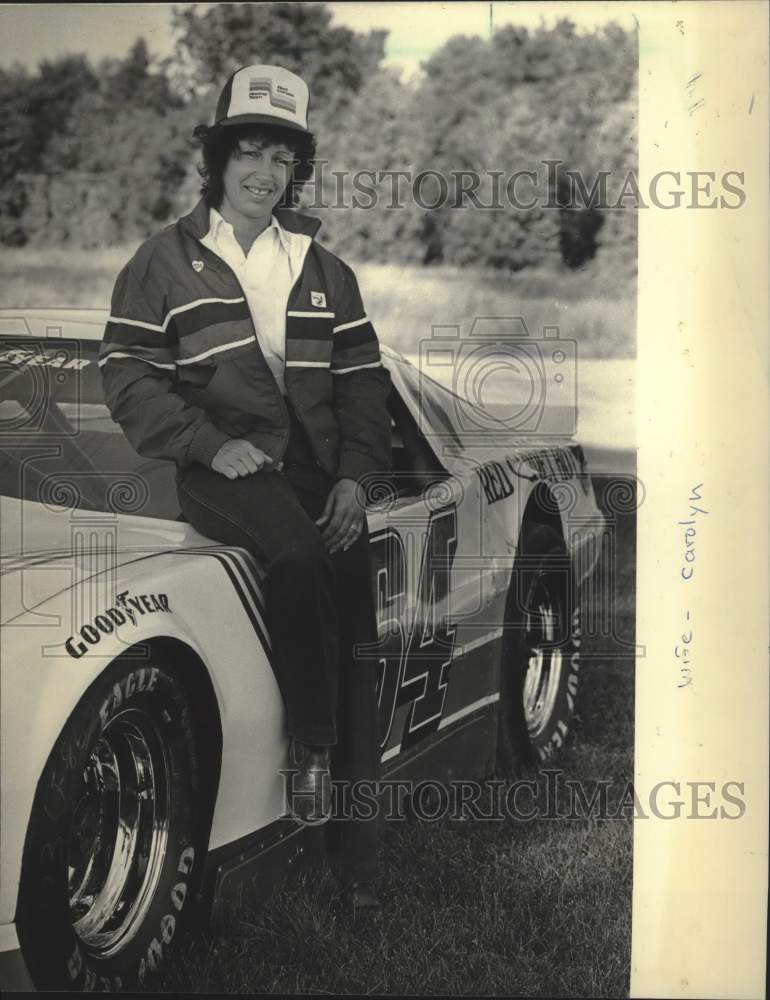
point(219, 141)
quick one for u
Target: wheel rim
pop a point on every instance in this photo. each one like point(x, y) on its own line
point(119, 833)
point(544, 658)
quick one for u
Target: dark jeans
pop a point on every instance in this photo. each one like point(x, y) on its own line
point(318, 608)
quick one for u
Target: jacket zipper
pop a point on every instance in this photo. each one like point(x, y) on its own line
point(282, 402)
point(289, 304)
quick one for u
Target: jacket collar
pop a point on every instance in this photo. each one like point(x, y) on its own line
point(217, 223)
point(197, 222)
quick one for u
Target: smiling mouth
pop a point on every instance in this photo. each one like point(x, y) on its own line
point(258, 192)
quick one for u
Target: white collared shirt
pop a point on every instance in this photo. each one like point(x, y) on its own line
point(266, 274)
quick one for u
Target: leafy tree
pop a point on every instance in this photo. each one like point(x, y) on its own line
point(509, 137)
point(52, 93)
point(131, 82)
point(94, 157)
point(33, 112)
point(136, 160)
point(382, 133)
point(516, 100)
point(16, 125)
point(119, 157)
point(16, 129)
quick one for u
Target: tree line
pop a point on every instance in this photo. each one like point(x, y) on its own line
point(466, 165)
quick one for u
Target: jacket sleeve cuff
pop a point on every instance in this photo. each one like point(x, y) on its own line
point(355, 465)
point(206, 442)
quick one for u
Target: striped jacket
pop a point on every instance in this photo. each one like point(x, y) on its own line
point(183, 371)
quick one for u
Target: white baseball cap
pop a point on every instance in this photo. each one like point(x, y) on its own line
point(262, 94)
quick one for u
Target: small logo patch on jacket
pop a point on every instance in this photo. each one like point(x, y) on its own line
point(198, 266)
point(318, 299)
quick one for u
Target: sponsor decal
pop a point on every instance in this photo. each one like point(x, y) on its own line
point(550, 463)
point(59, 359)
point(278, 95)
point(495, 482)
point(318, 299)
point(555, 464)
point(128, 609)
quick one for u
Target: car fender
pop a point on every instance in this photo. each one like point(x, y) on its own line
point(45, 673)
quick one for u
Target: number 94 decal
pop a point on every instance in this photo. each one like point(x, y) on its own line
point(415, 655)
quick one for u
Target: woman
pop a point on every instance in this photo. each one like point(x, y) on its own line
point(239, 348)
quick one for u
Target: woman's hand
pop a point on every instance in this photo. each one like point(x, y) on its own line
point(343, 516)
point(239, 457)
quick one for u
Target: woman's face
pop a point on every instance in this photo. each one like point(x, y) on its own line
point(255, 178)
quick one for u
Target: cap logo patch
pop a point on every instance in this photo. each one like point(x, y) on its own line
point(318, 299)
point(278, 95)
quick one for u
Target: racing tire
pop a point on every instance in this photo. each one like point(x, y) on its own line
point(540, 655)
point(113, 850)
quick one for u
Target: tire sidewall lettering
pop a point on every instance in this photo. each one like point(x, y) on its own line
point(555, 740)
point(59, 958)
point(167, 927)
point(143, 680)
point(545, 552)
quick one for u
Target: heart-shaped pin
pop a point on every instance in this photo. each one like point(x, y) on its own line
point(197, 266)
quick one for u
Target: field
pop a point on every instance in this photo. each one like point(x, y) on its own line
point(405, 303)
point(504, 907)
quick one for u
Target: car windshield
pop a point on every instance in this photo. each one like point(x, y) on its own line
point(58, 443)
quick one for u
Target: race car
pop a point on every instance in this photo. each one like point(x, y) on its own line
point(143, 733)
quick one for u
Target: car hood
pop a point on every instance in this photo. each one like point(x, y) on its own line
point(45, 549)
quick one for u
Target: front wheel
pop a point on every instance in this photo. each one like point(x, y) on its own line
point(113, 845)
point(541, 653)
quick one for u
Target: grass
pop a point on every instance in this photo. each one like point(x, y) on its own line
point(540, 908)
point(408, 302)
point(50, 277)
point(488, 912)
point(405, 302)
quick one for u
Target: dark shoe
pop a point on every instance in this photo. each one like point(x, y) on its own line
point(309, 791)
point(361, 899)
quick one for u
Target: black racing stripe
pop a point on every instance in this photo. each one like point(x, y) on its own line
point(235, 579)
point(136, 336)
point(209, 314)
point(242, 584)
point(302, 328)
point(248, 576)
point(356, 336)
